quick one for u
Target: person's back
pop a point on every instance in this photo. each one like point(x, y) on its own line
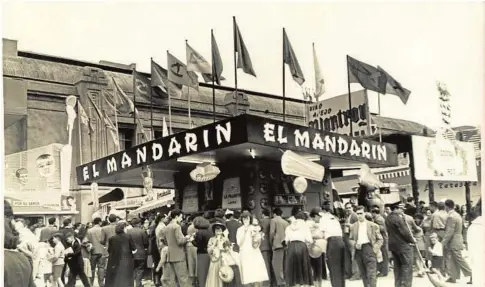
point(108, 231)
point(17, 269)
point(398, 233)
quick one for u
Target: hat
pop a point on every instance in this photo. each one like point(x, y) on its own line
point(315, 211)
point(229, 212)
point(433, 235)
point(135, 221)
point(218, 224)
point(246, 213)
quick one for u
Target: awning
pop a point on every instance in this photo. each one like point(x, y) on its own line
point(152, 205)
point(234, 140)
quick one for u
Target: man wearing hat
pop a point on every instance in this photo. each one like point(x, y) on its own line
point(332, 230)
point(401, 244)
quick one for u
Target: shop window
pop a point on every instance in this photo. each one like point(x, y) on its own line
point(126, 137)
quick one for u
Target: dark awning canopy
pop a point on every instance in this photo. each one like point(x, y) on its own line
point(233, 140)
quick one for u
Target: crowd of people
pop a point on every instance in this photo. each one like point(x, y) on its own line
point(239, 248)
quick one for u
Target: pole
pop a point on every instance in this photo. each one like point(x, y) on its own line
point(116, 120)
point(235, 64)
point(134, 102)
point(349, 114)
point(188, 95)
point(467, 183)
point(151, 109)
point(430, 182)
point(169, 106)
point(379, 108)
point(213, 79)
point(283, 66)
point(79, 133)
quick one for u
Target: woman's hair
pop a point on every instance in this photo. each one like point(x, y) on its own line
point(120, 227)
point(158, 219)
point(201, 223)
point(295, 210)
point(11, 236)
point(300, 215)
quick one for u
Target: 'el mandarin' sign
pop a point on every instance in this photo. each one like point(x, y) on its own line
point(236, 131)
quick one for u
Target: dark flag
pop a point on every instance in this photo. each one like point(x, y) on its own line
point(393, 87)
point(290, 59)
point(217, 66)
point(243, 58)
point(366, 75)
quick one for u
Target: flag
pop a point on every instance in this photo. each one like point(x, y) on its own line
point(366, 75)
point(178, 74)
point(393, 87)
point(142, 86)
point(165, 132)
point(217, 66)
point(83, 117)
point(196, 62)
point(112, 130)
point(123, 103)
point(103, 117)
point(319, 81)
point(159, 80)
point(141, 135)
point(243, 58)
point(290, 59)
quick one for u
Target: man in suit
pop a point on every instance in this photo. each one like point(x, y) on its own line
point(140, 239)
point(75, 262)
point(351, 267)
point(177, 265)
point(232, 225)
point(99, 255)
point(276, 236)
point(453, 244)
point(108, 231)
point(47, 232)
point(401, 244)
point(265, 247)
point(382, 267)
point(365, 236)
point(438, 218)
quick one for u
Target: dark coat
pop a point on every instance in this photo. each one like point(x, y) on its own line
point(120, 261)
point(140, 239)
point(75, 260)
point(399, 233)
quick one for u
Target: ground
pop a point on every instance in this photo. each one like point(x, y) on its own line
point(382, 282)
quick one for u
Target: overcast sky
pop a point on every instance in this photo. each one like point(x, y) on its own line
point(417, 43)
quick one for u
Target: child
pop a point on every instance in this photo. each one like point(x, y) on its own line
point(436, 251)
point(231, 259)
point(163, 265)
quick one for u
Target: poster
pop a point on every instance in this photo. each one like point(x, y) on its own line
point(440, 159)
point(231, 193)
point(332, 115)
point(190, 201)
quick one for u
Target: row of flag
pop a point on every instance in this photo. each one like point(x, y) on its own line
point(178, 74)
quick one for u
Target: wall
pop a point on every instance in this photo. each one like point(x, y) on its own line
point(15, 137)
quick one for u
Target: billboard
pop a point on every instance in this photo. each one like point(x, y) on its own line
point(33, 180)
point(441, 159)
point(334, 115)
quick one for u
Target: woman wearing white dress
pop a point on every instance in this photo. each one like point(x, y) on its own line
point(253, 269)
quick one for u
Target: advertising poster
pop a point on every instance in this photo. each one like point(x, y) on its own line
point(190, 201)
point(231, 193)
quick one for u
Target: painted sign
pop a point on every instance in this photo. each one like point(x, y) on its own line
point(33, 179)
point(298, 138)
point(231, 193)
point(334, 115)
point(236, 131)
point(190, 202)
point(442, 159)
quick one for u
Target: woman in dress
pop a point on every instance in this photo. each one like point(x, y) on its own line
point(201, 240)
point(120, 261)
point(253, 269)
point(426, 226)
point(298, 269)
point(215, 248)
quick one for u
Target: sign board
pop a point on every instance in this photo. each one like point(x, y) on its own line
point(33, 179)
point(441, 159)
point(334, 115)
point(190, 202)
point(233, 132)
point(231, 193)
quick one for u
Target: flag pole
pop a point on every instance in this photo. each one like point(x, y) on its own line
point(151, 108)
point(79, 133)
point(283, 66)
point(116, 119)
point(169, 105)
point(379, 109)
point(134, 100)
point(213, 79)
point(90, 133)
point(349, 115)
point(235, 63)
point(188, 95)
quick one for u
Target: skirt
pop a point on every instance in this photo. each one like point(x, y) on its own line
point(203, 262)
point(298, 269)
point(318, 266)
point(236, 282)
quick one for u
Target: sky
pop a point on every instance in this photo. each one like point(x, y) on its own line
point(417, 43)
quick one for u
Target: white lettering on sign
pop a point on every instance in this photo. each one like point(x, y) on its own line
point(354, 149)
point(343, 146)
point(157, 151)
point(268, 132)
point(381, 153)
point(191, 142)
point(141, 155)
point(226, 132)
point(365, 150)
point(95, 172)
point(302, 139)
point(112, 166)
point(85, 173)
point(206, 138)
point(125, 160)
point(174, 147)
point(281, 137)
point(318, 142)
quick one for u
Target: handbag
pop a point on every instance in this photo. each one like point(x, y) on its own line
point(226, 274)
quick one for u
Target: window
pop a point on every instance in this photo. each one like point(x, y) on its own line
point(126, 138)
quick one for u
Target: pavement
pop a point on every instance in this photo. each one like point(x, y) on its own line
point(381, 282)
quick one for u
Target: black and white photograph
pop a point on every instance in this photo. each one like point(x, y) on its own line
point(242, 143)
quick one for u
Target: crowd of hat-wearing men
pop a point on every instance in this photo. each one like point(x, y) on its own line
point(191, 252)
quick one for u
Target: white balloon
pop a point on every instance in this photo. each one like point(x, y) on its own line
point(300, 184)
